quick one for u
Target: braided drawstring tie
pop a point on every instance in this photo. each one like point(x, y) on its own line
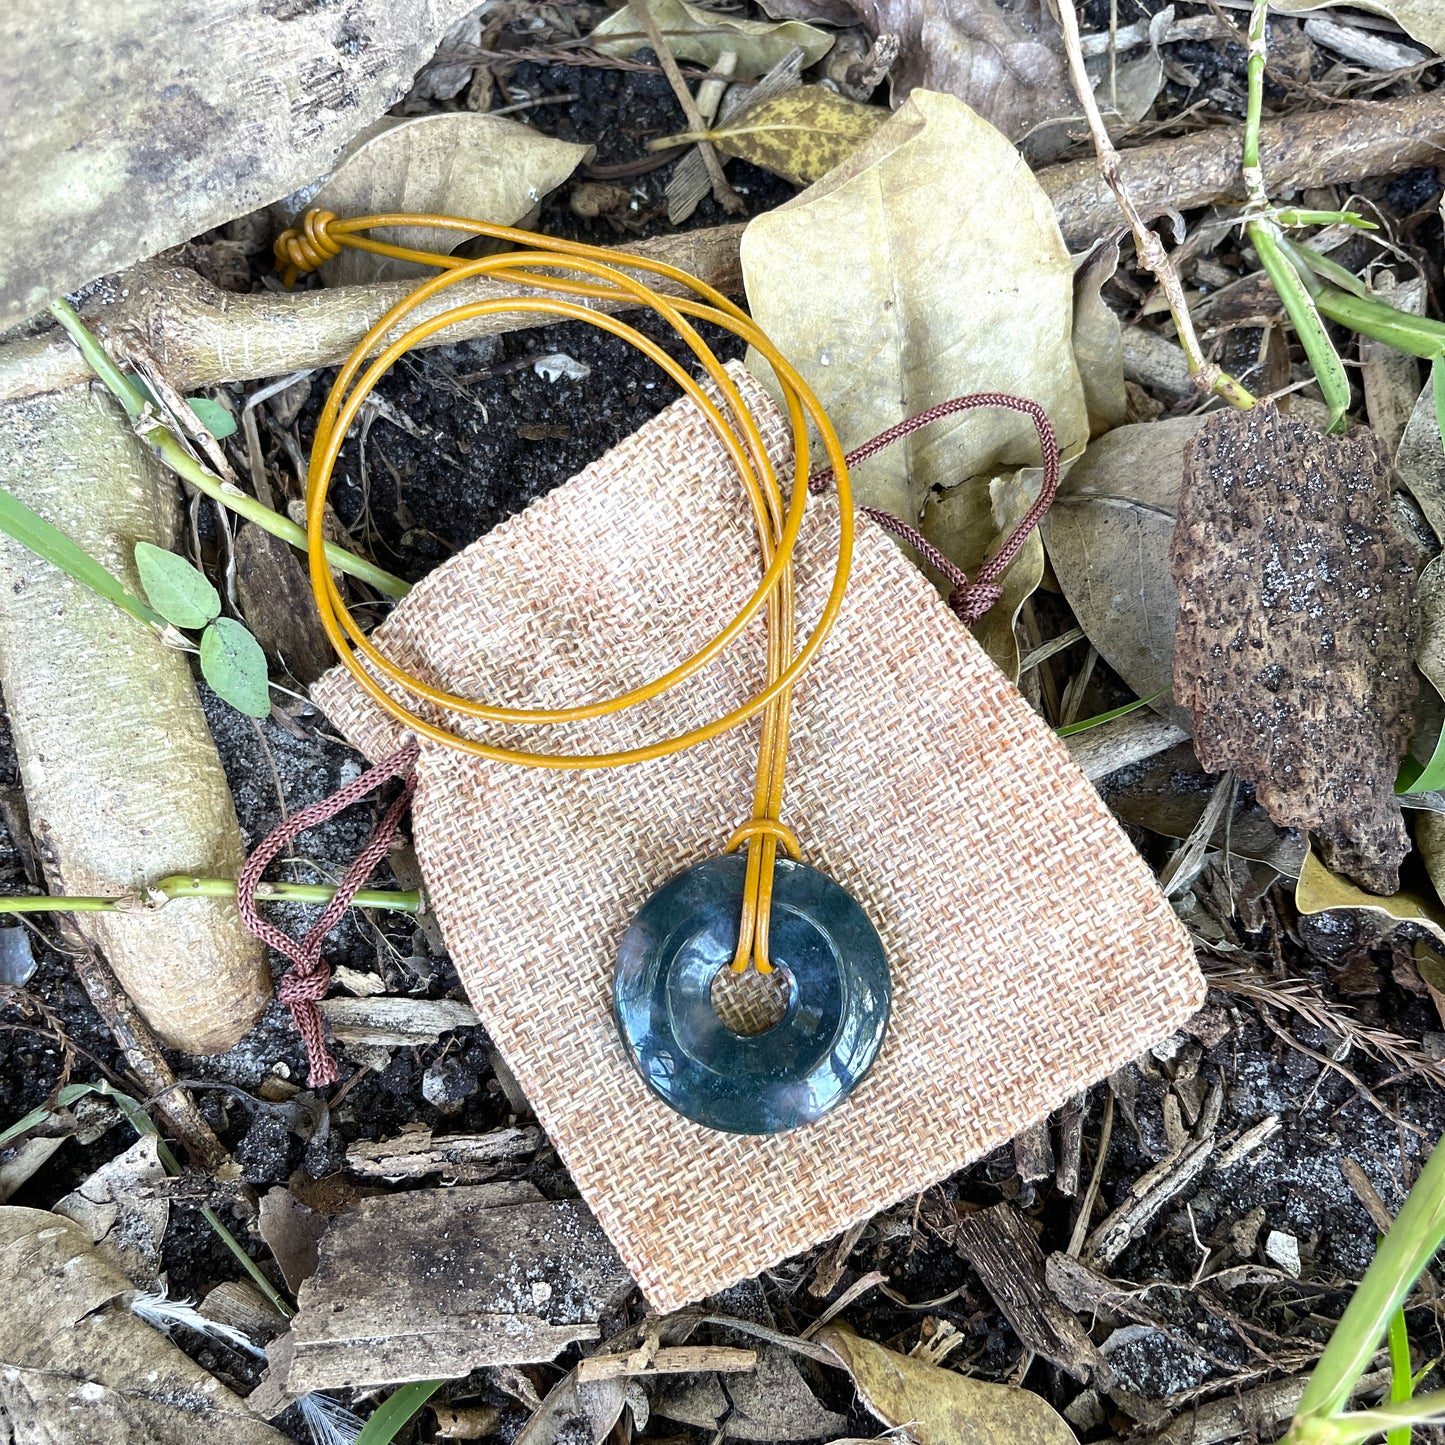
point(305, 247)
point(310, 977)
point(970, 598)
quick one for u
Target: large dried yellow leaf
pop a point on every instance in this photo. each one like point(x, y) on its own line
point(457, 163)
point(927, 265)
point(693, 33)
point(942, 1407)
point(800, 136)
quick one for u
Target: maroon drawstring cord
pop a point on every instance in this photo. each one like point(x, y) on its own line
point(309, 979)
point(310, 976)
point(970, 598)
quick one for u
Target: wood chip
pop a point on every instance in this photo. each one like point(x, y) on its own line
point(433, 1284)
point(1296, 629)
point(1002, 1248)
point(679, 1360)
point(391, 1022)
point(459, 1158)
point(1146, 1197)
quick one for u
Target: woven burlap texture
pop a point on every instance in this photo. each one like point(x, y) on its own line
point(1032, 952)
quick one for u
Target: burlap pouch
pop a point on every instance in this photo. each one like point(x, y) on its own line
point(1032, 952)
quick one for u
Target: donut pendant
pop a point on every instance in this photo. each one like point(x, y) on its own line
point(832, 984)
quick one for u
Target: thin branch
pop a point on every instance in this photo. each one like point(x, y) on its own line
point(1147, 245)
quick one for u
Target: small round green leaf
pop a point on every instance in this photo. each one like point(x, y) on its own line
point(174, 588)
point(216, 418)
point(233, 663)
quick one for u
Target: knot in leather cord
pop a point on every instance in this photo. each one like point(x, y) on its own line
point(306, 247)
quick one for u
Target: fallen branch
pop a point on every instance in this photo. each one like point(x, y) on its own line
point(203, 336)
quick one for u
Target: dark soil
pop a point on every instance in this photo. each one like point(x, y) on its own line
point(481, 435)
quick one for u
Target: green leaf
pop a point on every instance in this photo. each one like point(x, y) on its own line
point(396, 1410)
point(233, 663)
point(174, 588)
point(32, 531)
point(216, 419)
point(1084, 724)
point(1437, 390)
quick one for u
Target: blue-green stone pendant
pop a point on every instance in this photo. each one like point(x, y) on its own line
point(827, 956)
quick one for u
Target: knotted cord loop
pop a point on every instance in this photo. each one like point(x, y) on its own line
point(310, 976)
point(787, 839)
point(969, 598)
point(306, 247)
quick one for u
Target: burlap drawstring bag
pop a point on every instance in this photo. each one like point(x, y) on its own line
point(1032, 952)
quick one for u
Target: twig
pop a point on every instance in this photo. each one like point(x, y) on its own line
point(187, 885)
point(1150, 250)
point(722, 193)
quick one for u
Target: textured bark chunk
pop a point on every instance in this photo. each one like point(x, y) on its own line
point(1296, 629)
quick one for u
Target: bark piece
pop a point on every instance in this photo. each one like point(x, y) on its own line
point(433, 1284)
point(130, 128)
point(458, 1158)
point(1297, 623)
point(275, 596)
point(387, 1021)
point(1002, 1248)
point(121, 774)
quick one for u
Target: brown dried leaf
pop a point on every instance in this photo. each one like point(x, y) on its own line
point(1108, 536)
point(1005, 58)
point(68, 1344)
point(943, 1407)
point(1296, 629)
point(800, 136)
point(455, 163)
point(1099, 340)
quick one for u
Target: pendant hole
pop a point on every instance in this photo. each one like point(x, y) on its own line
point(751, 1003)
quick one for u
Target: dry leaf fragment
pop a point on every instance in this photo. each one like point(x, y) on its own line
point(1420, 459)
point(456, 163)
point(125, 1225)
point(1108, 537)
point(800, 136)
point(1296, 629)
point(70, 1349)
point(693, 33)
point(943, 1407)
point(1003, 57)
point(1319, 890)
point(1423, 20)
point(887, 285)
point(1099, 340)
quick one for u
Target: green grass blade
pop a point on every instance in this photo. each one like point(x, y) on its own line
point(396, 1410)
point(1437, 390)
point(1069, 729)
point(1402, 1380)
point(33, 532)
point(1300, 305)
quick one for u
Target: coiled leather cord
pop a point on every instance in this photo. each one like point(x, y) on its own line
point(557, 277)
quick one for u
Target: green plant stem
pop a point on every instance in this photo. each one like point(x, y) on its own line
point(180, 461)
point(187, 885)
point(1416, 1234)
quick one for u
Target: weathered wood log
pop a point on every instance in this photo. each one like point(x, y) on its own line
point(120, 772)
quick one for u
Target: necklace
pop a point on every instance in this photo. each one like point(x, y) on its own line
point(748, 910)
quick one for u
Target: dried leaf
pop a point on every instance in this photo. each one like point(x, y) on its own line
point(1131, 90)
point(693, 33)
point(1099, 340)
point(291, 1231)
point(969, 523)
point(943, 1407)
point(125, 1224)
point(1422, 20)
point(455, 163)
point(1391, 377)
point(1420, 459)
point(888, 286)
point(800, 136)
point(1296, 629)
point(1108, 536)
point(69, 1344)
point(771, 1403)
point(1006, 60)
point(1320, 890)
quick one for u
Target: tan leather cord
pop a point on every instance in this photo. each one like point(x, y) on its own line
point(554, 272)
